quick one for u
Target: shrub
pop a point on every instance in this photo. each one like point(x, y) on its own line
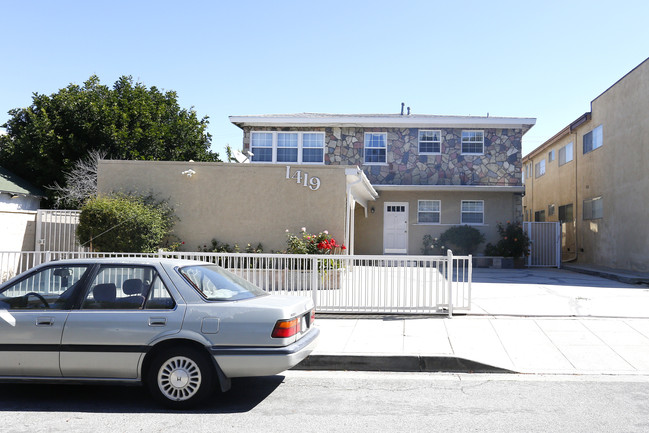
point(306, 243)
point(218, 247)
point(513, 242)
point(125, 223)
point(462, 240)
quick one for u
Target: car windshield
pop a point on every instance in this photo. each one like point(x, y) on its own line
point(217, 284)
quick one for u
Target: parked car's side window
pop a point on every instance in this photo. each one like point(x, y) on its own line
point(49, 288)
point(127, 288)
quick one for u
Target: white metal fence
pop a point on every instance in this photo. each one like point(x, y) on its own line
point(545, 244)
point(337, 283)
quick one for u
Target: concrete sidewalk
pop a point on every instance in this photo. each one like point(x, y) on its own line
point(544, 321)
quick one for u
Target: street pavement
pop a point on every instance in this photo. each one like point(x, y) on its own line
point(536, 321)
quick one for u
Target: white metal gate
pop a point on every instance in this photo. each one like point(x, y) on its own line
point(545, 244)
point(56, 230)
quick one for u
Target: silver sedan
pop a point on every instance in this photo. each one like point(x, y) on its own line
point(183, 328)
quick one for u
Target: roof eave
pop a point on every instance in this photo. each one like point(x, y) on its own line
point(524, 123)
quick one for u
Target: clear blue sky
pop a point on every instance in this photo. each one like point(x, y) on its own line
point(545, 59)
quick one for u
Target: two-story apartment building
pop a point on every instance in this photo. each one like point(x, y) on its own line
point(592, 176)
point(378, 182)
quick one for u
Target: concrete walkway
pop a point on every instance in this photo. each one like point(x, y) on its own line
point(543, 321)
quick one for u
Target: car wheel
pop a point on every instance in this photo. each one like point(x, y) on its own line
point(181, 378)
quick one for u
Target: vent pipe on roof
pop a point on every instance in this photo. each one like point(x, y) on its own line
point(408, 111)
point(402, 105)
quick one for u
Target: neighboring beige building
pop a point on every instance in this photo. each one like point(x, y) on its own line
point(592, 176)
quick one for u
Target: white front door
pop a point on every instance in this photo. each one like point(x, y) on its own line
point(395, 228)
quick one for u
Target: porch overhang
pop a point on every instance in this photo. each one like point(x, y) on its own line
point(360, 187)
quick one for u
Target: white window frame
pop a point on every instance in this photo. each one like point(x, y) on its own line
point(472, 142)
point(436, 203)
point(365, 147)
point(296, 146)
point(438, 142)
point(471, 212)
point(539, 168)
point(265, 146)
point(566, 154)
point(300, 147)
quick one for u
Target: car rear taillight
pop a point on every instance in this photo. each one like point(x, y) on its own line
point(286, 328)
point(312, 317)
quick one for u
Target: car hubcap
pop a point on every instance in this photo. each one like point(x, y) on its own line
point(179, 378)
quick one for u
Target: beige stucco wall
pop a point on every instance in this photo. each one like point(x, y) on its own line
point(236, 203)
point(617, 172)
point(499, 207)
point(17, 230)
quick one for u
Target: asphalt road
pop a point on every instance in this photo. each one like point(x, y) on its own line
point(346, 402)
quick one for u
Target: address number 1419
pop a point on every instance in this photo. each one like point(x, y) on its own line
point(303, 178)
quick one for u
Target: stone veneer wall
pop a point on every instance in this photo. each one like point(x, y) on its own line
point(499, 165)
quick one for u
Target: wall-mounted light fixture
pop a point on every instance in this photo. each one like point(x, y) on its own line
point(372, 209)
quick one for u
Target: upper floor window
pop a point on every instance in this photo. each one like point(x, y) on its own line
point(297, 147)
point(473, 142)
point(261, 146)
point(376, 146)
point(539, 168)
point(430, 141)
point(593, 139)
point(312, 147)
point(565, 154)
point(286, 147)
point(472, 212)
point(428, 211)
point(551, 156)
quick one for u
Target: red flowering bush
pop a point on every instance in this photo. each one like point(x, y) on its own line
point(306, 243)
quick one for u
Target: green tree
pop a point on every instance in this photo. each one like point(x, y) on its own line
point(125, 223)
point(127, 121)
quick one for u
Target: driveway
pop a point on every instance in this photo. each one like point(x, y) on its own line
point(554, 292)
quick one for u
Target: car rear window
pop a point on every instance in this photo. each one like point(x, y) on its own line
point(218, 284)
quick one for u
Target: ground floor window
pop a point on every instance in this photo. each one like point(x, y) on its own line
point(428, 211)
point(565, 213)
point(539, 216)
point(593, 208)
point(472, 212)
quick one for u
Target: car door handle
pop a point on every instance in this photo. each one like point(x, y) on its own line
point(44, 321)
point(157, 321)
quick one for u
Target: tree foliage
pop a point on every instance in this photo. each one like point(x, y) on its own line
point(125, 223)
point(128, 121)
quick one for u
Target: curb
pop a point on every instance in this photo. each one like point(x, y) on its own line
point(396, 363)
point(615, 276)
